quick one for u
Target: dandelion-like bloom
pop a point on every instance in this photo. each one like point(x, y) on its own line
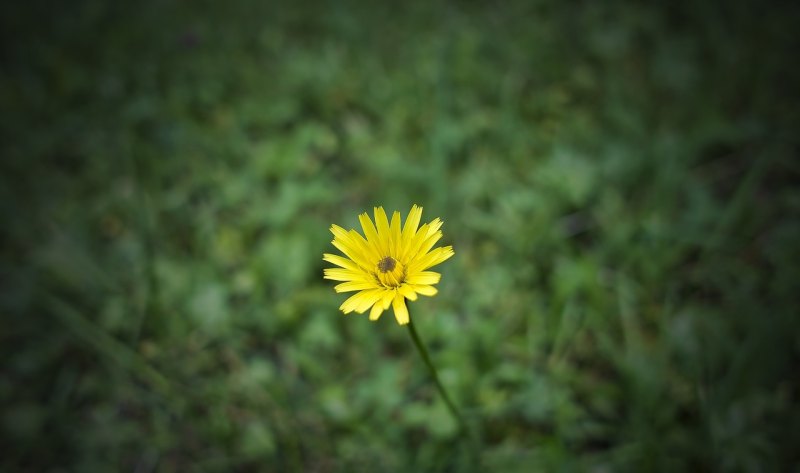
point(389, 265)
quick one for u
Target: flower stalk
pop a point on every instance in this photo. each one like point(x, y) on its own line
point(425, 357)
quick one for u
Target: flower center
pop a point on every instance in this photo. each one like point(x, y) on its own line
point(390, 272)
point(386, 264)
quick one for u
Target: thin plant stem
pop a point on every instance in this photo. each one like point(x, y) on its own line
point(424, 353)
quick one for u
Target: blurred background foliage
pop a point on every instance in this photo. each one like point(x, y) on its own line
point(619, 181)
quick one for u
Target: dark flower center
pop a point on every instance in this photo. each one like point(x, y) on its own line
point(387, 264)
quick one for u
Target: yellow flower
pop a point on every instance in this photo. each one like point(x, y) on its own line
point(389, 265)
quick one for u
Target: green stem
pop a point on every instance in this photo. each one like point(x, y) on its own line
point(424, 353)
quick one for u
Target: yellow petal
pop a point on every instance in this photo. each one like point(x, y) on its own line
point(338, 274)
point(369, 251)
point(354, 286)
point(383, 230)
point(340, 261)
point(341, 234)
point(387, 299)
point(429, 242)
point(425, 290)
point(400, 309)
point(368, 299)
point(410, 227)
point(407, 292)
point(434, 226)
point(433, 258)
point(416, 241)
point(394, 236)
point(369, 229)
point(353, 245)
point(350, 304)
point(376, 312)
point(352, 253)
point(424, 277)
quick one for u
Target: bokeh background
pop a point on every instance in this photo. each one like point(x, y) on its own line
point(618, 179)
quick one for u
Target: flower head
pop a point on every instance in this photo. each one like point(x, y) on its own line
point(389, 265)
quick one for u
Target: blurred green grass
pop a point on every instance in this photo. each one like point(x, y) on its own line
point(619, 183)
